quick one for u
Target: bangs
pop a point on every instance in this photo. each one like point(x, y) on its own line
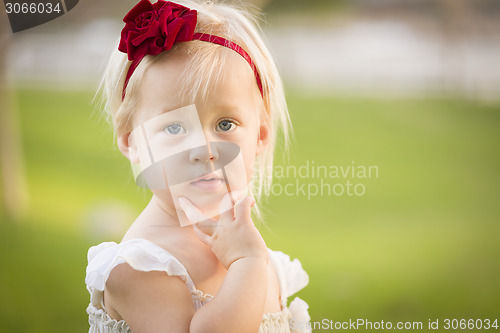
point(206, 67)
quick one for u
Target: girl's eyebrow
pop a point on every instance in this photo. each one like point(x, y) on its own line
point(224, 107)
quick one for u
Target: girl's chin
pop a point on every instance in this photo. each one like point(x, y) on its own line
point(212, 206)
point(210, 209)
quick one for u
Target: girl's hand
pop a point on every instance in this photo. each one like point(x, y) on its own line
point(234, 236)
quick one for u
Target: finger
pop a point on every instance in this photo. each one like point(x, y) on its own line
point(229, 200)
point(226, 212)
point(238, 195)
point(230, 215)
point(193, 213)
point(202, 236)
point(243, 210)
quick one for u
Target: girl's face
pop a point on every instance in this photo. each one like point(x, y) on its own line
point(200, 151)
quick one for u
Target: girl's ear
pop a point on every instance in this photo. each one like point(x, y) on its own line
point(263, 138)
point(128, 147)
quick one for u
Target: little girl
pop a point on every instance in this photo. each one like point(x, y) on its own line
point(196, 103)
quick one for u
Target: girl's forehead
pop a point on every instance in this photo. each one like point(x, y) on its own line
point(174, 83)
point(189, 76)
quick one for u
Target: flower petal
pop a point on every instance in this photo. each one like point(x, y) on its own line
point(152, 31)
point(186, 32)
point(142, 7)
point(172, 28)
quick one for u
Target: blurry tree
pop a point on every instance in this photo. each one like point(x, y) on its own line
point(14, 192)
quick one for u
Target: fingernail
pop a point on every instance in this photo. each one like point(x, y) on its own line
point(240, 198)
point(238, 195)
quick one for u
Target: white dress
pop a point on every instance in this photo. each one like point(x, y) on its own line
point(144, 255)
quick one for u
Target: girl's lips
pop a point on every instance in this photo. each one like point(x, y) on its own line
point(208, 183)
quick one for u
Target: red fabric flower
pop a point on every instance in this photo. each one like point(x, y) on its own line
point(154, 28)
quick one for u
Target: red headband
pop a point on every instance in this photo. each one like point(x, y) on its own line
point(154, 28)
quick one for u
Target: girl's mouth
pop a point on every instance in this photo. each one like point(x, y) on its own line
point(209, 183)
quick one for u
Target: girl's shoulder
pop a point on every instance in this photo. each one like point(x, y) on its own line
point(141, 254)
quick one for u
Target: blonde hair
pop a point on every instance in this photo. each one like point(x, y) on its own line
point(203, 68)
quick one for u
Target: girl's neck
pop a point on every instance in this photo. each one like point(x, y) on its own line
point(163, 213)
point(154, 220)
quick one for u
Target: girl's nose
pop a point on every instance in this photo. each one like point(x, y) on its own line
point(203, 154)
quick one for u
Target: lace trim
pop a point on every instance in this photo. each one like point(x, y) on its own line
point(276, 322)
point(99, 317)
point(277, 316)
point(202, 297)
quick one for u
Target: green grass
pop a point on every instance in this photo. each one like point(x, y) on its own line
point(422, 242)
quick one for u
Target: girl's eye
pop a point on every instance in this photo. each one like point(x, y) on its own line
point(175, 129)
point(226, 126)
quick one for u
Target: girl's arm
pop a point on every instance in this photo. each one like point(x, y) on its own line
point(239, 304)
point(149, 302)
point(155, 302)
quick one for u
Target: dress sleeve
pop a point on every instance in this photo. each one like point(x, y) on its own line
point(292, 279)
point(291, 275)
point(140, 254)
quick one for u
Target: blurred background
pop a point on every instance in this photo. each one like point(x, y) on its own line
point(409, 86)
